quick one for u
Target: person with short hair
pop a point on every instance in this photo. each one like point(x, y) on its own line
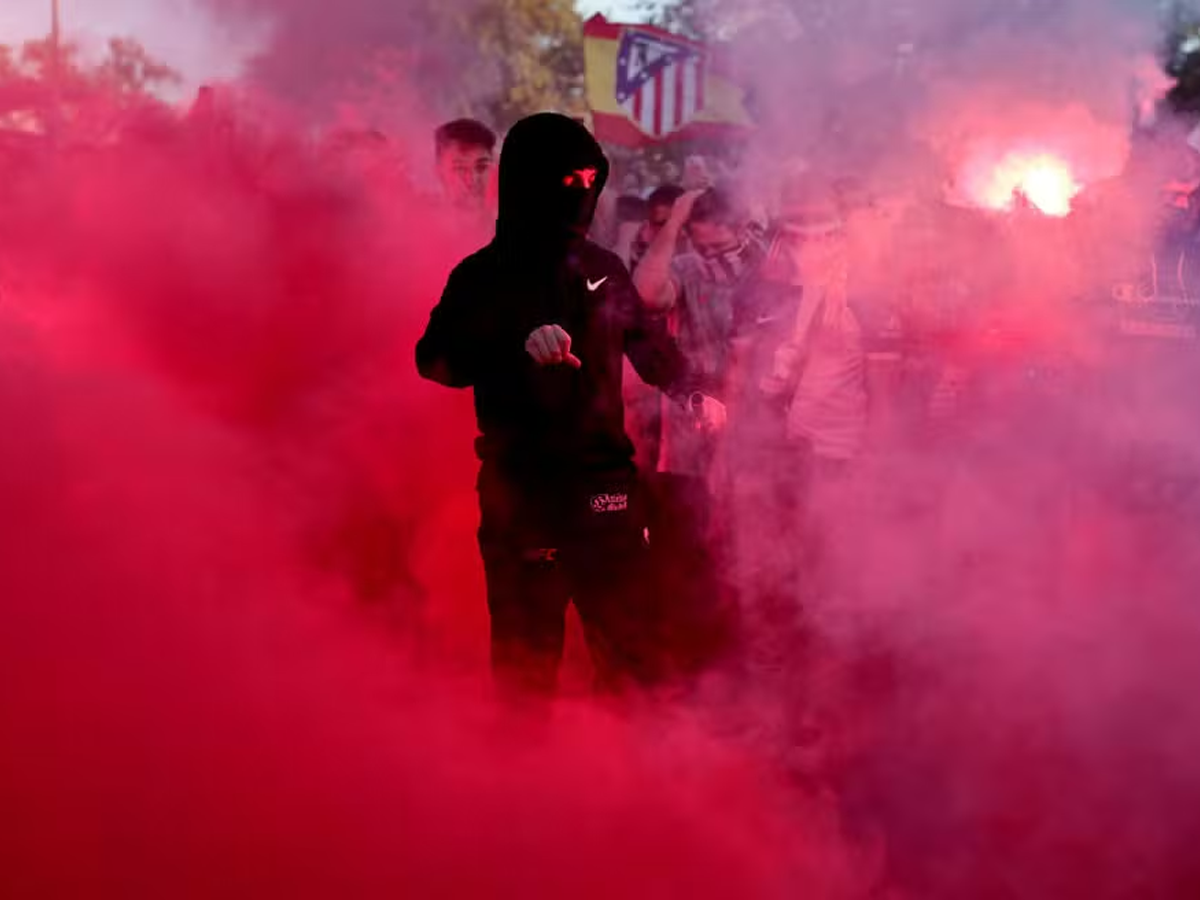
point(658, 208)
point(465, 150)
point(695, 290)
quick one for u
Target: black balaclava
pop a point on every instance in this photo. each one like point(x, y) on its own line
point(551, 174)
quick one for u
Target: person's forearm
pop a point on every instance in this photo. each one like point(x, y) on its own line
point(652, 278)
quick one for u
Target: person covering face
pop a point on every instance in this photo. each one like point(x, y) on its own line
point(537, 324)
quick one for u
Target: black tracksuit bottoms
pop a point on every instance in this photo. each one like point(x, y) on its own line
point(548, 541)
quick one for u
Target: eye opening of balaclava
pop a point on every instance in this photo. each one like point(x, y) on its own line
point(552, 172)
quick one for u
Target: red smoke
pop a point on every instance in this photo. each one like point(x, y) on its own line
point(214, 438)
point(313, 58)
point(216, 456)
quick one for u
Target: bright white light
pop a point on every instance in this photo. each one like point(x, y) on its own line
point(1048, 184)
point(1046, 181)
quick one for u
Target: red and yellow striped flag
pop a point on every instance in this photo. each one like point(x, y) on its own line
point(647, 86)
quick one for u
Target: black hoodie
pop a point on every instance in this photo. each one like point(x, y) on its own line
point(548, 421)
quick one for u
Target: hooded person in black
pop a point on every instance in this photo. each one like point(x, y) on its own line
point(537, 324)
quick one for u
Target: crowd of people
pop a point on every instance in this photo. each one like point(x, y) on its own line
point(799, 361)
point(685, 394)
point(708, 363)
point(744, 394)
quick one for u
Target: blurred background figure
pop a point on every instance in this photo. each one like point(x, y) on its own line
point(643, 413)
point(818, 372)
point(670, 173)
point(365, 154)
point(656, 213)
point(697, 175)
point(211, 121)
point(829, 407)
point(792, 327)
point(204, 109)
point(465, 151)
point(695, 289)
point(631, 212)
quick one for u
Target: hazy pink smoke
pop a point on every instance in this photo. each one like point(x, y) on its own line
point(212, 426)
point(206, 358)
point(314, 53)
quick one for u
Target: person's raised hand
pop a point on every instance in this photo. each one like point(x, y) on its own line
point(682, 210)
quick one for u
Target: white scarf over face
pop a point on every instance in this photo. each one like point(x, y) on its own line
point(823, 360)
point(812, 255)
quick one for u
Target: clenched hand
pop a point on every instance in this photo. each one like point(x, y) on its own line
point(550, 345)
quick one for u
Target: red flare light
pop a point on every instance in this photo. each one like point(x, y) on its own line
point(1046, 181)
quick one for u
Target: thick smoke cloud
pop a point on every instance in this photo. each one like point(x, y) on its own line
point(1022, 571)
point(318, 58)
point(214, 433)
point(183, 717)
point(872, 87)
point(205, 351)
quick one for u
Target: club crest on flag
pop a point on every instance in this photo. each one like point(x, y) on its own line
point(647, 86)
point(660, 82)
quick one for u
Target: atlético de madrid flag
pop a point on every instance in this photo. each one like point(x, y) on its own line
point(646, 85)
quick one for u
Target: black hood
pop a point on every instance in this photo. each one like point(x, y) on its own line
point(551, 174)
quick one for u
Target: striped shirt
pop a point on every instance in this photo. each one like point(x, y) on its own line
point(703, 326)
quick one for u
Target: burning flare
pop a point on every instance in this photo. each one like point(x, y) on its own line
point(1046, 181)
